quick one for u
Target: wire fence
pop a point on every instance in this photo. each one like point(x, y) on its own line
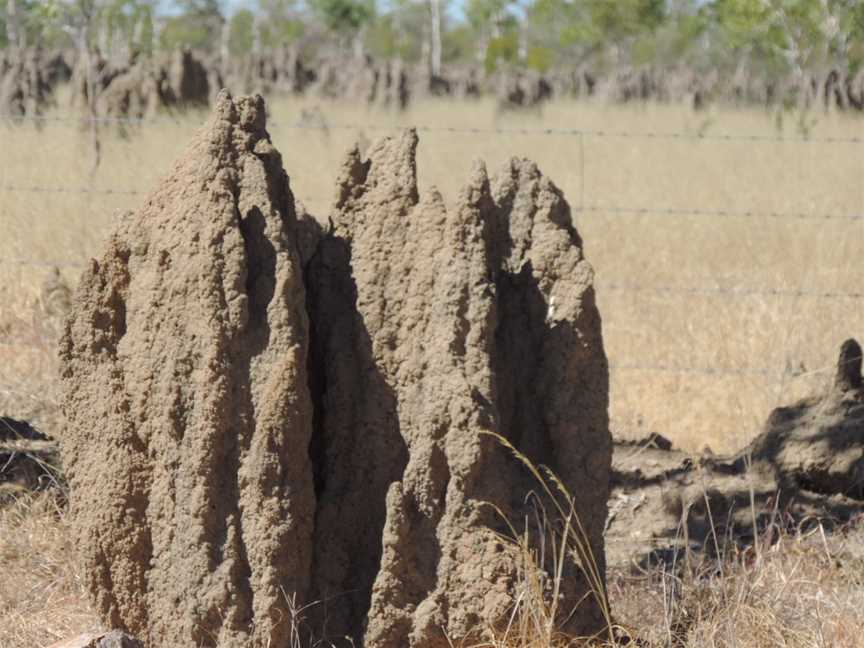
point(589, 209)
point(717, 289)
point(772, 374)
point(459, 130)
point(600, 286)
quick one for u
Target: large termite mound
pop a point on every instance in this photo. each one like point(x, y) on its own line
point(433, 328)
point(230, 462)
point(184, 365)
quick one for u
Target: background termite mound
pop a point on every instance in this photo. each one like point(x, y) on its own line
point(804, 471)
point(184, 369)
point(431, 327)
point(241, 444)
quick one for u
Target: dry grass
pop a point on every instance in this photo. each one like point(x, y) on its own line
point(793, 587)
point(645, 329)
point(41, 594)
point(804, 592)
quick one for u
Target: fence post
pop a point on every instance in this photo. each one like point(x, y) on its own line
point(581, 171)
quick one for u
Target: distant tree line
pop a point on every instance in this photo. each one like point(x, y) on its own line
point(770, 37)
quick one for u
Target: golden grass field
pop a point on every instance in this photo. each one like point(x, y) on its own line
point(745, 353)
point(742, 353)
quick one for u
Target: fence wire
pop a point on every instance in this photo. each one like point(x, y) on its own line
point(774, 375)
point(588, 209)
point(600, 286)
point(70, 190)
point(460, 130)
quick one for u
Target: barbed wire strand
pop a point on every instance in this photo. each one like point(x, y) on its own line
point(727, 292)
point(721, 213)
point(766, 372)
point(601, 287)
point(80, 190)
point(581, 134)
point(611, 209)
point(462, 130)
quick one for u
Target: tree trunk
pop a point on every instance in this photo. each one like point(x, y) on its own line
point(435, 36)
point(13, 27)
point(257, 26)
point(358, 46)
point(224, 40)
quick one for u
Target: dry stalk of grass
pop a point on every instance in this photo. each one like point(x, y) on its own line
point(42, 598)
point(791, 587)
point(802, 591)
point(551, 549)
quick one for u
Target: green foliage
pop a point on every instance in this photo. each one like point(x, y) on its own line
point(241, 32)
point(592, 28)
point(199, 26)
point(126, 21)
point(623, 19)
point(399, 33)
point(281, 25)
point(183, 31)
point(540, 58)
point(504, 49)
point(344, 17)
point(482, 13)
point(38, 21)
point(147, 32)
point(382, 40)
point(773, 37)
point(458, 44)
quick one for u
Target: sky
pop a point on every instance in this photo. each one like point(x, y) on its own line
point(168, 7)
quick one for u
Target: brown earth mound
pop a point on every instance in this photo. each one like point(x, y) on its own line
point(188, 79)
point(431, 327)
point(184, 365)
point(806, 467)
point(215, 484)
point(23, 88)
point(137, 93)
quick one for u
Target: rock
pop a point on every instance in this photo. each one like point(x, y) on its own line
point(113, 639)
point(184, 370)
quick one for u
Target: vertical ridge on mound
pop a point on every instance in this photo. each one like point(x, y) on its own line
point(184, 365)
